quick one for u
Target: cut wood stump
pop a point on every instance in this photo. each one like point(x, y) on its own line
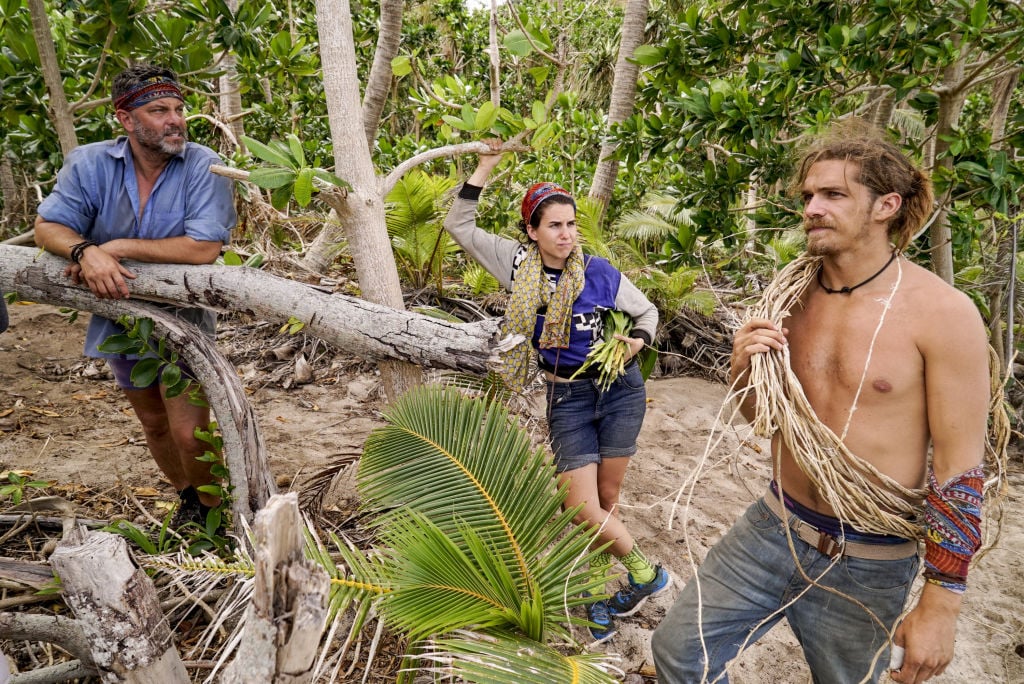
point(283, 624)
point(116, 607)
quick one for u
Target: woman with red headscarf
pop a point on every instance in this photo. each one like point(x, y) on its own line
point(559, 296)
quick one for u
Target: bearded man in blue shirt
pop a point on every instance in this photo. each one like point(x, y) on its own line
point(146, 196)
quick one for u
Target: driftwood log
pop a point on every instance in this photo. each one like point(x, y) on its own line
point(359, 327)
point(284, 621)
point(116, 607)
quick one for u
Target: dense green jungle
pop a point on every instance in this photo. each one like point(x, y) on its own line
point(350, 125)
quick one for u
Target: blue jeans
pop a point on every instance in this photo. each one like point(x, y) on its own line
point(587, 424)
point(744, 583)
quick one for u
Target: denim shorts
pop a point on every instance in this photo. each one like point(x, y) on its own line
point(587, 425)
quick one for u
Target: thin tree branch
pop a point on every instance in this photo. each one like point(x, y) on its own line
point(219, 125)
point(388, 182)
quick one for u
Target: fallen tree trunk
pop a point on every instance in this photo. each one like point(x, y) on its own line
point(53, 629)
point(116, 607)
point(359, 327)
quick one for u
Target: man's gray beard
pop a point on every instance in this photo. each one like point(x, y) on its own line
point(146, 137)
point(172, 149)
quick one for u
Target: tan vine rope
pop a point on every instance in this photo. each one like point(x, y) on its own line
point(857, 491)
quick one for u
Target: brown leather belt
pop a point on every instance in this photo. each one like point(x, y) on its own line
point(833, 546)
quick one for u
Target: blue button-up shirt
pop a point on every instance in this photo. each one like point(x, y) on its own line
point(97, 196)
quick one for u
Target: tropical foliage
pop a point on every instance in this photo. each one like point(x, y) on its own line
point(475, 561)
point(726, 89)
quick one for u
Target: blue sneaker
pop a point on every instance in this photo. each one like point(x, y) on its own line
point(603, 628)
point(628, 600)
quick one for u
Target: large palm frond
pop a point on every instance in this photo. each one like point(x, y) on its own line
point(489, 659)
point(473, 518)
point(623, 254)
point(677, 290)
point(659, 217)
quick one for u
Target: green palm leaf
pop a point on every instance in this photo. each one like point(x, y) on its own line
point(472, 516)
point(414, 217)
point(487, 659)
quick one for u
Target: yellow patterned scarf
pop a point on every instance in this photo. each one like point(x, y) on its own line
point(530, 291)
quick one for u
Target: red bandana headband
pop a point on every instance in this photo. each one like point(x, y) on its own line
point(537, 193)
point(151, 89)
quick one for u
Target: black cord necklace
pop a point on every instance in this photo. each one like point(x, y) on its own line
point(848, 290)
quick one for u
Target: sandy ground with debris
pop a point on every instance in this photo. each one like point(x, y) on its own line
point(62, 419)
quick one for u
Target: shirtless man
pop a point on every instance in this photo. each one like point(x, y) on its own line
point(926, 385)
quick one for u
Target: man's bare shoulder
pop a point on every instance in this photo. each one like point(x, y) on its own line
point(937, 305)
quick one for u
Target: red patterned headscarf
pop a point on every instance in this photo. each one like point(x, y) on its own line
point(151, 89)
point(537, 193)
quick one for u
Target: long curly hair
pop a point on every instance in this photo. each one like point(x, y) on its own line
point(883, 168)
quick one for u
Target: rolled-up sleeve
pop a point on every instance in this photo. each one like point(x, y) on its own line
point(70, 202)
point(210, 203)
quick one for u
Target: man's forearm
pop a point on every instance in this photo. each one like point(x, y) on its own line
point(173, 250)
point(55, 238)
point(738, 382)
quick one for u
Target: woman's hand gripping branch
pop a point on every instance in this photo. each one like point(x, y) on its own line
point(488, 162)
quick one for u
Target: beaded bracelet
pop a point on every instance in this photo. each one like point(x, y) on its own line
point(78, 249)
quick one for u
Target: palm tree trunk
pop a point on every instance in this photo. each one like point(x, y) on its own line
point(1002, 96)
point(230, 95)
point(9, 194)
point(951, 103)
point(623, 96)
point(60, 110)
point(882, 111)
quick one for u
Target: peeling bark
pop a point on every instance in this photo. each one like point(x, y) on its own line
point(116, 607)
point(359, 327)
point(623, 95)
point(244, 450)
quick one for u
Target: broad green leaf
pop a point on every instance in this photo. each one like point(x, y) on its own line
point(979, 14)
point(280, 197)
point(266, 153)
point(296, 149)
point(145, 372)
point(485, 116)
point(272, 178)
point(401, 66)
point(145, 327)
point(540, 74)
point(120, 344)
point(171, 375)
point(539, 112)
point(456, 122)
point(544, 135)
point(231, 258)
point(974, 168)
point(178, 388)
point(304, 186)
point(517, 43)
point(648, 55)
point(328, 177)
